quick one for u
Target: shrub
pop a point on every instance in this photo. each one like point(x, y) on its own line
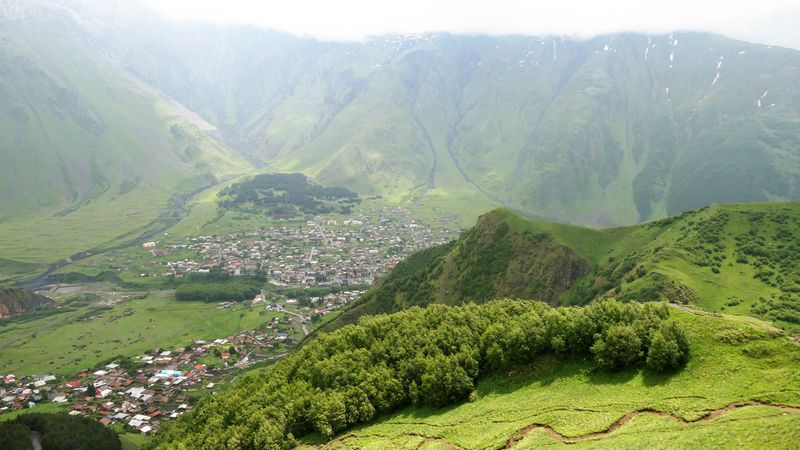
point(668, 349)
point(617, 347)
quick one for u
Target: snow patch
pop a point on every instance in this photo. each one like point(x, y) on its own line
point(716, 78)
point(742, 52)
point(671, 56)
point(646, 50)
point(763, 95)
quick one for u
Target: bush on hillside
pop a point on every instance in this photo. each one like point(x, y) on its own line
point(669, 347)
point(617, 347)
point(15, 436)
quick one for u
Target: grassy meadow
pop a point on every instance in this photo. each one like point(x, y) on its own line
point(63, 341)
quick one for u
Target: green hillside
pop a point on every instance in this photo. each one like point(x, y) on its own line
point(738, 390)
point(90, 154)
point(613, 130)
point(430, 356)
point(112, 124)
point(740, 259)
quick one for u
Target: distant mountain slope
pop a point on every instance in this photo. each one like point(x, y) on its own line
point(79, 127)
point(89, 152)
point(613, 130)
point(742, 259)
point(15, 301)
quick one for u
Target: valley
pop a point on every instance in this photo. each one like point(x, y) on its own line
point(178, 294)
point(215, 235)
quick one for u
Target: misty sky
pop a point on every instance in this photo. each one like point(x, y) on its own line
point(774, 22)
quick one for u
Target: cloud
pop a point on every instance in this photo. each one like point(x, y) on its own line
point(764, 21)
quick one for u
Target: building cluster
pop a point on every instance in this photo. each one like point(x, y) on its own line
point(319, 252)
point(143, 392)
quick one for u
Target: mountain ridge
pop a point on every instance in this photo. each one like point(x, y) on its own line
point(739, 258)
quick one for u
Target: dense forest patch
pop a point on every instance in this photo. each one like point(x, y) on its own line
point(286, 195)
point(431, 356)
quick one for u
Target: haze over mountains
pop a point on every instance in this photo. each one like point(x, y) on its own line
point(614, 130)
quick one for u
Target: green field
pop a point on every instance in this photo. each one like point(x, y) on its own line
point(732, 362)
point(63, 341)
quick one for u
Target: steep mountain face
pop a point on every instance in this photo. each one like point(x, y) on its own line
point(107, 123)
point(613, 130)
point(78, 126)
point(90, 154)
point(15, 301)
point(734, 258)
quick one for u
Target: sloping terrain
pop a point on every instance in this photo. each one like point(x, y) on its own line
point(613, 130)
point(739, 389)
point(432, 356)
point(741, 259)
point(89, 153)
point(115, 122)
point(15, 301)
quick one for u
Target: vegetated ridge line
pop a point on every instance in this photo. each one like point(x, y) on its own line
point(627, 418)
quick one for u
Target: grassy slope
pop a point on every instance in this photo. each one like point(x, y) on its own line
point(64, 343)
point(616, 129)
point(732, 362)
point(94, 155)
point(674, 259)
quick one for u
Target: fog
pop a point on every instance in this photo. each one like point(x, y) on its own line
point(771, 22)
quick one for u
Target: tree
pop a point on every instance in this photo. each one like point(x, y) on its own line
point(91, 391)
point(328, 413)
point(669, 347)
point(617, 347)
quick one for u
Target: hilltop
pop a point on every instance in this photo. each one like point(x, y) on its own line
point(741, 259)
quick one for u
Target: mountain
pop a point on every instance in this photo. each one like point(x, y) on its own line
point(116, 122)
point(90, 153)
point(15, 301)
point(617, 129)
point(741, 259)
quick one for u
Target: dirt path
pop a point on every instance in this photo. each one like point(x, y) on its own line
point(519, 435)
point(627, 418)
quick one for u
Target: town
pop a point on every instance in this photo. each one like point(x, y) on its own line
point(139, 393)
point(314, 267)
point(319, 251)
